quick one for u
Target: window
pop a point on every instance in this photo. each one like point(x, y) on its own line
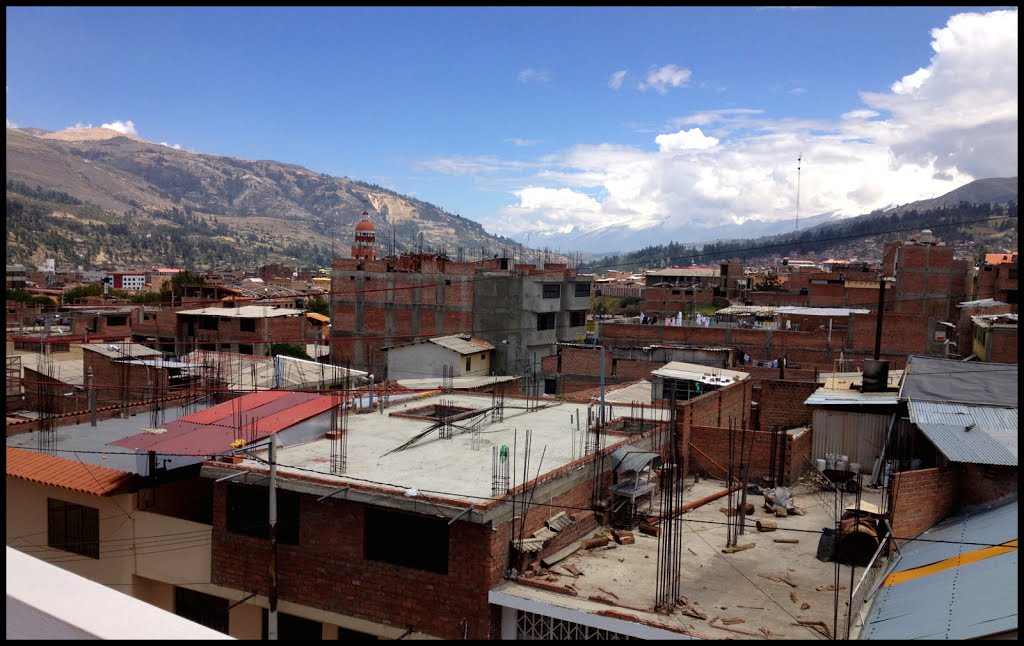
point(546, 321)
point(578, 318)
point(469, 363)
point(550, 386)
point(204, 609)
point(582, 290)
point(249, 513)
point(207, 323)
point(73, 528)
point(246, 348)
point(117, 321)
point(387, 539)
point(247, 325)
point(552, 290)
point(293, 628)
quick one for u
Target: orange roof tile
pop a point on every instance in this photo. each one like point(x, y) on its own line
point(64, 473)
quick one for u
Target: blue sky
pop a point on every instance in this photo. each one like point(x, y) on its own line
point(536, 120)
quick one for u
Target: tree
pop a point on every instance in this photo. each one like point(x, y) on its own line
point(769, 283)
point(319, 305)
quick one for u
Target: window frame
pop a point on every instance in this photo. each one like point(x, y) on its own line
point(551, 290)
point(72, 527)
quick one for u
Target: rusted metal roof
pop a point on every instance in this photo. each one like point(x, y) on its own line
point(64, 473)
point(210, 432)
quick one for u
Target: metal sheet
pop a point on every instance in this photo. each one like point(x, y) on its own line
point(858, 436)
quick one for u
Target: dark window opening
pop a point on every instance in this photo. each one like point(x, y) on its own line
point(245, 348)
point(546, 321)
point(388, 534)
point(550, 386)
point(469, 362)
point(204, 609)
point(247, 325)
point(577, 318)
point(582, 290)
point(117, 321)
point(207, 323)
point(249, 513)
point(73, 528)
point(552, 290)
point(293, 628)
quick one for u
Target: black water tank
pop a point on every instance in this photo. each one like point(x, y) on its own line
point(876, 376)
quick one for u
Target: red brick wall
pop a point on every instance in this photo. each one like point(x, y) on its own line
point(1004, 345)
point(328, 570)
point(781, 404)
point(709, 453)
point(112, 380)
point(919, 499)
point(986, 483)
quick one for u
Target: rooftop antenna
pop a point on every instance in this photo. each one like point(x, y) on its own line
point(798, 160)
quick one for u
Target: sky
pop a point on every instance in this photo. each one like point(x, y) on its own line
point(541, 121)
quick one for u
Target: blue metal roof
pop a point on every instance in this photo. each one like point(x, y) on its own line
point(966, 433)
point(969, 600)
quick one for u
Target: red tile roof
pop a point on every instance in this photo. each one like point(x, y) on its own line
point(65, 473)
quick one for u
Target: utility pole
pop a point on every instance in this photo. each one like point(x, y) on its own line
point(272, 595)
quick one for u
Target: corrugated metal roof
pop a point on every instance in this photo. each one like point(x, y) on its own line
point(833, 397)
point(698, 372)
point(210, 432)
point(992, 438)
point(638, 392)
point(985, 302)
point(948, 380)
point(463, 344)
point(65, 473)
point(71, 371)
point(971, 600)
point(626, 458)
point(685, 271)
point(456, 382)
point(244, 312)
point(821, 311)
point(122, 350)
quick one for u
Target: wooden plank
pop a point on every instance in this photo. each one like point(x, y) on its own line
point(737, 548)
point(548, 561)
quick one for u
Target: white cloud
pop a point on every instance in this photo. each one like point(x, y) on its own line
point(124, 127)
point(960, 112)
point(529, 75)
point(927, 134)
point(660, 79)
point(615, 80)
point(174, 146)
point(797, 90)
point(860, 114)
point(685, 140)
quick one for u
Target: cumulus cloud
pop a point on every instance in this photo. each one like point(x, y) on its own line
point(124, 127)
point(960, 112)
point(174, 146)
point(529, 75)
point(660, 79)
point(930, 131)
point(685, 140)
point(615, 80)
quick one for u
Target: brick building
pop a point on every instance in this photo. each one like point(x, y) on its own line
point(522, 309)
point(364, 558)
point(997, 278)
point(249, 329)
point(928, 278)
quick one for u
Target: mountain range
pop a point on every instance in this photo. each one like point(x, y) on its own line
point(98, 197)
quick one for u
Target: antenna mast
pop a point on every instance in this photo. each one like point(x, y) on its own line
point(798, 159)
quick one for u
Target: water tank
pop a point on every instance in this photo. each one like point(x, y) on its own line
point(876, 376)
